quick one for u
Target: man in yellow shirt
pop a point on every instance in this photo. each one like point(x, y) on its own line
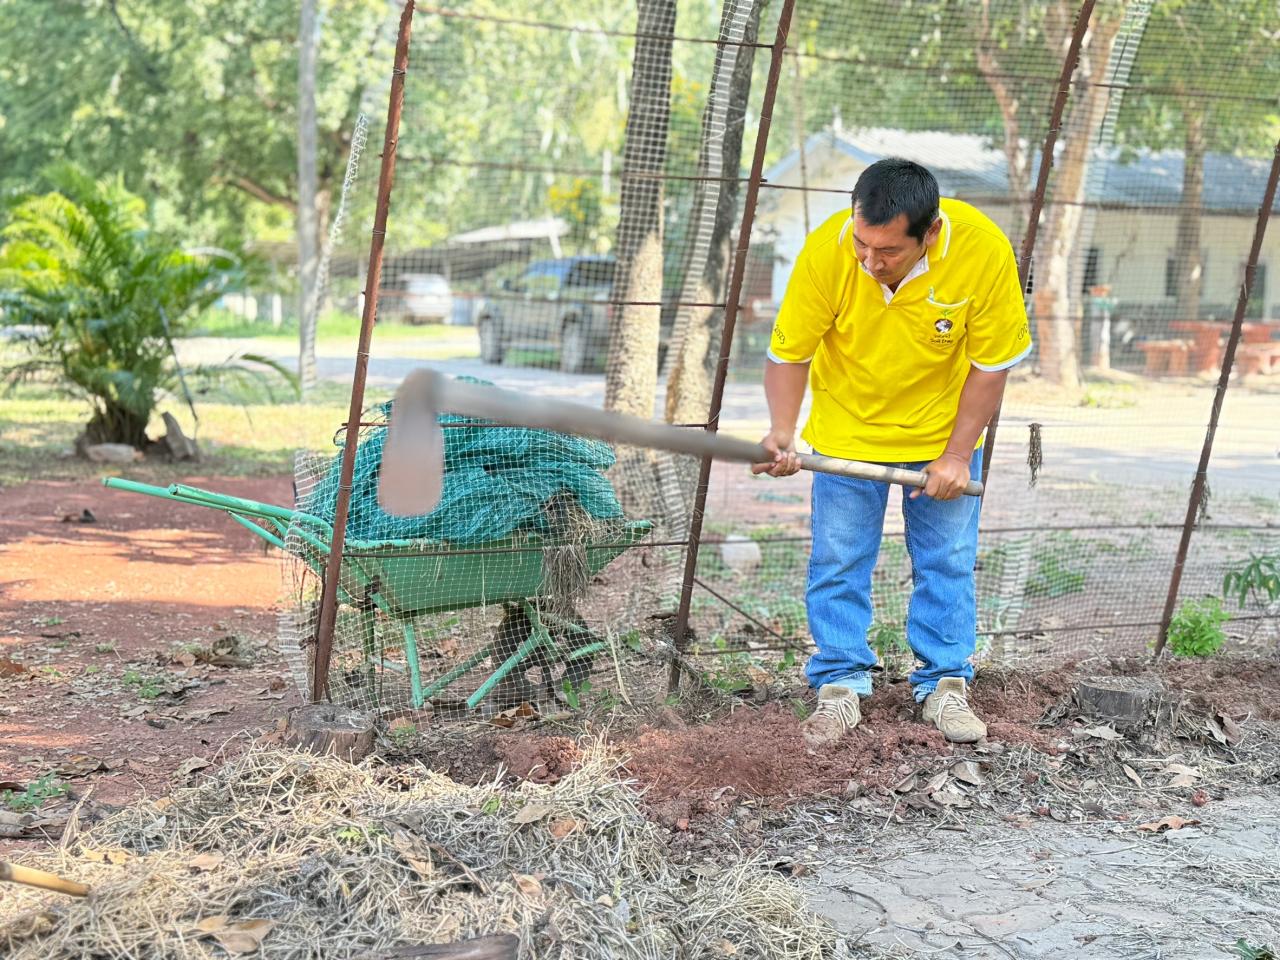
point(904, 316)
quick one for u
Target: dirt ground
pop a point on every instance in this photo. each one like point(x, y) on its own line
point(107, 629)
point(137, 646)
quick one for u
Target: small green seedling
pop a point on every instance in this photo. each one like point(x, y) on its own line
point(46, 788)
point(1196, 629)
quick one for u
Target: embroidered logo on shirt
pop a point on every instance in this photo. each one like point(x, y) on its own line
point(942, 324)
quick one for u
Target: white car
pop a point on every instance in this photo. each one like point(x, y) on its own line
point(427, 298)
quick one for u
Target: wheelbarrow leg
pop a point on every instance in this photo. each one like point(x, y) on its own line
point(368, 640)
point(464, 667)
point(415, 668)
point(538, 637)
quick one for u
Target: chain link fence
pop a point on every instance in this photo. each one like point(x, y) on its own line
point(567, 217)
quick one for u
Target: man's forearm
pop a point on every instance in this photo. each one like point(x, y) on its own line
point(979, 400)
point(784, 385)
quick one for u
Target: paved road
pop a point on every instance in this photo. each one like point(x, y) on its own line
point(1153, 444)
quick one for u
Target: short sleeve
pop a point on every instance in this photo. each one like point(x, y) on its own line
point(999, 335)
point(805, 316)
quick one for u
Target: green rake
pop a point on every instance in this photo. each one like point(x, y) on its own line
point(409, 579)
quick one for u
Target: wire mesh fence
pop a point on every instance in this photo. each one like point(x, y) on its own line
point(570, 184)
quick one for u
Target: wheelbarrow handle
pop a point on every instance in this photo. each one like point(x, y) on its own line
point(412, 464)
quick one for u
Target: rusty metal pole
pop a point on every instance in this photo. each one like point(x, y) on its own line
point(1069, 64)
point(777, 51)
point(333, 565)
point(1224, 377)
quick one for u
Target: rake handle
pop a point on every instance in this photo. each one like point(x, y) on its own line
point(514, 409)
point(29, 877)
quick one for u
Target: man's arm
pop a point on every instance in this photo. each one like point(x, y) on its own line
point(784, 385)
point(979, 399)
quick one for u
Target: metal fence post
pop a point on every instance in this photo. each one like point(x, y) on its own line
point(333, 565)
point(1069, 64)
point(1224, 376)
point(777, 53)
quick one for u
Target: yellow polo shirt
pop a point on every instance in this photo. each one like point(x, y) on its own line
point(888, 366)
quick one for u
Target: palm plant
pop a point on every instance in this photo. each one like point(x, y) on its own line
point(102, 298)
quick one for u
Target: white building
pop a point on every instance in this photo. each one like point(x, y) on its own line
point(1128, 239)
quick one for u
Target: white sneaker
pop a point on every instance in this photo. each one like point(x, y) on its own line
point(837, 713)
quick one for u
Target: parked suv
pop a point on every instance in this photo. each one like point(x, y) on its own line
point(561, 304)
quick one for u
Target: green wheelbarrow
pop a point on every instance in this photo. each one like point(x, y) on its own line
point(406, 580)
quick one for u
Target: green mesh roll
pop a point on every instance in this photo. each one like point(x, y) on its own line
point(497, 481)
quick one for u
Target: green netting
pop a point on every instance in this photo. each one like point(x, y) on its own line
point(497, 481)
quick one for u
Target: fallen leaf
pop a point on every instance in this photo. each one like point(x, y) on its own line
point(79, 765)
point(530, 812)
point(1231, 729)
point(13, 785)
point(528, 884)
point(1132, 775)
point(1199, 798)
point(966, 771)
point(418, 858)
point(936, 782)
point(244, 937)
point(682, 824)
point(562, 828)
point(188, 767)
point(207, 861)
point(202, 716)
point(508, 718)
point(1215, 730)
point(185, 659)
point(268, 695)
point(212, 924)
point(605, 900)
point(1166, 824)
point(12, 668)
point(907, 784)
point(1103, 733)
point(723, 948)
point(950, 796)
point(114, 855)
point(1182, 776)
point(14, 824)
point(277, 683)
point(138, 711)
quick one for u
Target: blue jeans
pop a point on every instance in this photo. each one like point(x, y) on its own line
point(942, 543)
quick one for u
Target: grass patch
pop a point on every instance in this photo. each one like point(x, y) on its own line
point(38, 428)
point(333, 325)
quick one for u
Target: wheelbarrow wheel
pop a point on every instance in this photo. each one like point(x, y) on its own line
point(544, 672)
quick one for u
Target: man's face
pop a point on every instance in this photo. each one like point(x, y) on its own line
point(889, 251)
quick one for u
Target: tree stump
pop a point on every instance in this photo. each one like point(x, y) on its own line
point(324, 729)
point(1124, 701)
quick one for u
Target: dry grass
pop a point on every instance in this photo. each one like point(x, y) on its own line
point(343, 861)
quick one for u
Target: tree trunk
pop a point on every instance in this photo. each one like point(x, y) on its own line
point(308, 221)
point(1187, 260)
point(695, 348)
point(1015, 151)
point(114, 424)
point(631, 374)
point(1056, 299)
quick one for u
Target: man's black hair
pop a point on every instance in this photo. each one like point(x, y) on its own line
point(894, 186)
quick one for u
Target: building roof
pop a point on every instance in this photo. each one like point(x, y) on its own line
point(969, 165)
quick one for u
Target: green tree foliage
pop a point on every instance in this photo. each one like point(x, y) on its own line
point(194, 104)
point(104, 297)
